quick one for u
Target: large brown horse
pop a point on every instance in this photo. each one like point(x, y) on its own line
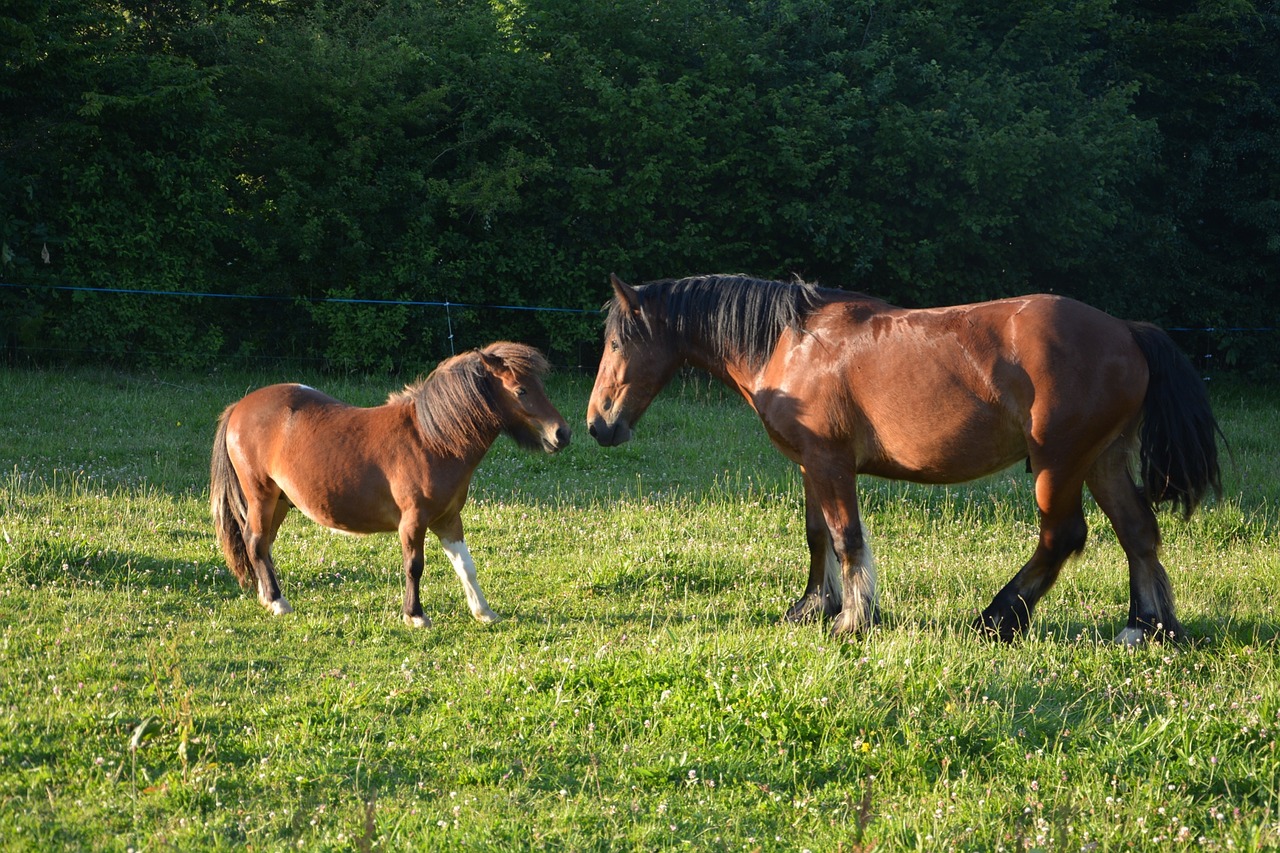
point(846, 384)
point(404, 466)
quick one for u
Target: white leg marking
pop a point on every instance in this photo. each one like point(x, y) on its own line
point(858, 613)
point(1131, 637)
point(279, 607)
point(465, 568)
point(417, 621)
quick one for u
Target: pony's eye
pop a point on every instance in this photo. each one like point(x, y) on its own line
point(521, 391)
point(614, 345)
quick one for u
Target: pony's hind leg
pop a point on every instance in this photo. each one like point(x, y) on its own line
point(264, 517)
point(1151, 608)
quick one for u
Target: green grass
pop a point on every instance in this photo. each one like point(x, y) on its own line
point(641, 692)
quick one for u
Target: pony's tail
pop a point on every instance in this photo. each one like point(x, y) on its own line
point(1179, 456)
point(227, 503)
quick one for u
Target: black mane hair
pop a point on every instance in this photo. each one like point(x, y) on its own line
point(733, 314)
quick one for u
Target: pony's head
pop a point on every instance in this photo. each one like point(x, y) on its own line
point(470, 398)
point(639, 359)
point(528, 416)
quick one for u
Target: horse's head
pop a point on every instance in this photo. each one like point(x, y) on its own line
point(528, 416)
point(638, 360)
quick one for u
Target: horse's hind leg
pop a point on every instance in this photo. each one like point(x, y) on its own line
point(1151, 609)
point(1062, 534)
point(823, 594)
point(265, 515)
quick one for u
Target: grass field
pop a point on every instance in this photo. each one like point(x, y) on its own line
point(641, 692)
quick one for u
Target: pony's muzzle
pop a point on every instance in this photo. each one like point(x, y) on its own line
point(557, 442)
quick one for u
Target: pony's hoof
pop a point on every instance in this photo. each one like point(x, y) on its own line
point(486, 617)
point(279, 607)
point(417, 621)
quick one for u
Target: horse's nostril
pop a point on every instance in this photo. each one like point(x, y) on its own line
point(591, 430)
point(563, 435)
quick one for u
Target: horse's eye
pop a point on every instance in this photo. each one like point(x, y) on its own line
point(521, 391)
point(614, 345)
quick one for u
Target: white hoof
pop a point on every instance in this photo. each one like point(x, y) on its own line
point(417, 621)
point(486, 617)
point(279, 607)
point(1131, 637)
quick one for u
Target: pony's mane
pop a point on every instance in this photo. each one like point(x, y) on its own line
point(732, 314)
point(455, 404)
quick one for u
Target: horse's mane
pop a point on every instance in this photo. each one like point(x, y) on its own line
point(732, 314)
point(455, 404)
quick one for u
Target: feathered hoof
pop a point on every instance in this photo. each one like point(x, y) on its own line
point(851, 623)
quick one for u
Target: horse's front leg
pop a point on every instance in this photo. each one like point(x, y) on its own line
point(412, 537)
point(455, 545)
point(823, 596)
point(836, 487)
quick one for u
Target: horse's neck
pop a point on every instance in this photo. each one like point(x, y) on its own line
point(735, 373)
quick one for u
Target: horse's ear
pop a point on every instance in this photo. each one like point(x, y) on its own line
point(627, 296)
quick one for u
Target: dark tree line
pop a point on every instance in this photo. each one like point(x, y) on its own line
point(517, 151)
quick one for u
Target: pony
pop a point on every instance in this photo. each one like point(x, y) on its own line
point(404, 466)
point(847, 384)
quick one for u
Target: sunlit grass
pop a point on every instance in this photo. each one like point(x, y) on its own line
point(641, 692)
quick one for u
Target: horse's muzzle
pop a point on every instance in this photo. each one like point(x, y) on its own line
point(609, 434)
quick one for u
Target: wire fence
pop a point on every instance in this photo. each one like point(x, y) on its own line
point(1201, 338)
point(447, 306)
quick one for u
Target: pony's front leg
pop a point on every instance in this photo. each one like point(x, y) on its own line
point(411, 545)
point(838, 492)
point(823, 594)
point(455, 545)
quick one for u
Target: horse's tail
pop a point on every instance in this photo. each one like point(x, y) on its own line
point(1179, 455)
point(228, 505)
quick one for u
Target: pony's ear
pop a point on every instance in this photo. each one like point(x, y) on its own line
point(627, 296)
point(495, 363)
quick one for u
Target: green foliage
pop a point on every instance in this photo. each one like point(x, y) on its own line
point(515, 153)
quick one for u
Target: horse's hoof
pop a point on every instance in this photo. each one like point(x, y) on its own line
point(417, 621)
point(1131, 637)
point(849, 623)
point(995, 629)
point(279, 607)
point(807, 608)
point(486, 617)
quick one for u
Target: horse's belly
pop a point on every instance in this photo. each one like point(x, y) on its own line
point(953, 457)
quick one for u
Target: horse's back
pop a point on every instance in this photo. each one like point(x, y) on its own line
point(952, 393)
